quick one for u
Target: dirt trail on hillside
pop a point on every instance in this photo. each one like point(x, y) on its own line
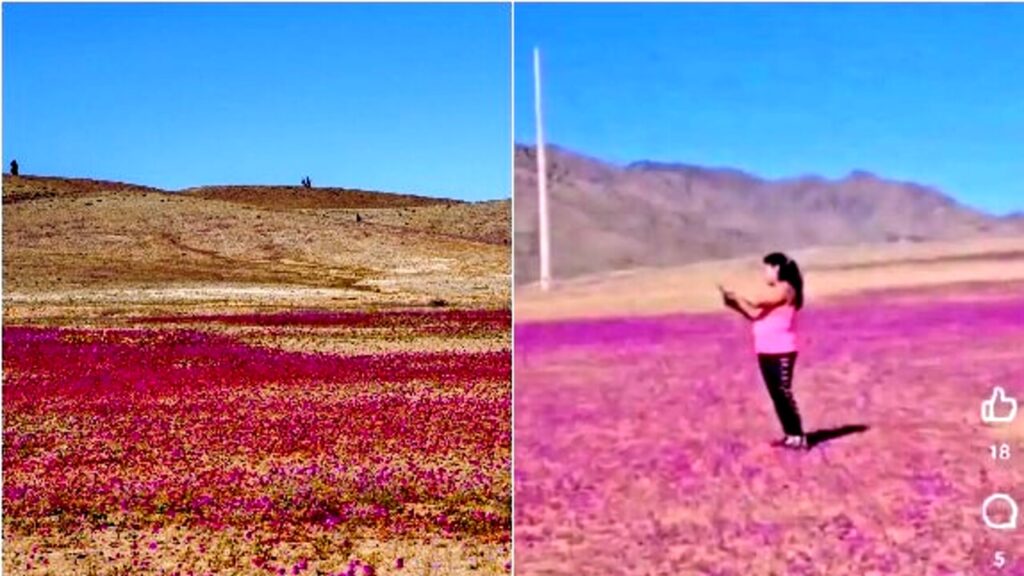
point(82, 247)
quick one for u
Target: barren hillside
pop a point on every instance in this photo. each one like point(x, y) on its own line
point(607, 217)
point(297, 197)
point(114, 247)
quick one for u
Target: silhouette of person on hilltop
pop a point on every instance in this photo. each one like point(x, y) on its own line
point(14, 167)
point(307, 183)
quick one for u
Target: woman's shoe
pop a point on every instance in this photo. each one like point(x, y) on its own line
point(797, 442)
point(792, 443)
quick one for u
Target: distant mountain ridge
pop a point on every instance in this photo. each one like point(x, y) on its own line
point(608, 217)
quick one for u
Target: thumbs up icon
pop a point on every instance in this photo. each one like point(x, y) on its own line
point(999, 409)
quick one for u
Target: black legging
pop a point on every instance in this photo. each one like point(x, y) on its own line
point(777, 370)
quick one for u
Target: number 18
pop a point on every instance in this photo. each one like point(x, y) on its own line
point(1000, 451)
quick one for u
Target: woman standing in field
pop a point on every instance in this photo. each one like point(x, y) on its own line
point(773, 316)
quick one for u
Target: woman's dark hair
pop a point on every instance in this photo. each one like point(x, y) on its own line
point(789, 273)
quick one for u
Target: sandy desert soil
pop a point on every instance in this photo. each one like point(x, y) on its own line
point(829, 272)
point(81, 248)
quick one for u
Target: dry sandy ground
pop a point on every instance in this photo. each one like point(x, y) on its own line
point(77, 250)
point(828, 272)
point(111, 553)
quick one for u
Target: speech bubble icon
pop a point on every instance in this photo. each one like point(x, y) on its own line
point(992, 410)
point(1011, 521)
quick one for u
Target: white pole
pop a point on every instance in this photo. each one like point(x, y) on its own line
point(542, 182)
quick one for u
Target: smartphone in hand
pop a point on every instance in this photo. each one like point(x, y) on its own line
point(727, 296)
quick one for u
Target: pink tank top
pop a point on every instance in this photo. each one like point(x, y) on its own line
point(776, 332)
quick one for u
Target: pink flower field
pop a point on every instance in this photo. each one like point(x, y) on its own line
point(643, 445)
point(172, 447)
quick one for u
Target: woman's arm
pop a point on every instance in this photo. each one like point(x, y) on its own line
point(747, 309)
point(773, 297)
point(754, 309)
point(732, 302)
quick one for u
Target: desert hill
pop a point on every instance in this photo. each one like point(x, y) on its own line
point(608, 217)
point(117, 246)
point(25, 188)
point(297, 197)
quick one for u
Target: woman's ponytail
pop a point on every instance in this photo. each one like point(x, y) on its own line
point(789, 272)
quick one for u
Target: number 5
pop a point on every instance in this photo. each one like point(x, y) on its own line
point(1000, 559)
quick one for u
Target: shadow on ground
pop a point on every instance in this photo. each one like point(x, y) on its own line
point(828, 434)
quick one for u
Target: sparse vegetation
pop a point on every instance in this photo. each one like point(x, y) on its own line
point(145, 239)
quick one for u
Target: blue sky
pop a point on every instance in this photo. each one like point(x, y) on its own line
point(928, 93)
point(405, 98)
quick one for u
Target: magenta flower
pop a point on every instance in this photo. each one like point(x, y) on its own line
point(639, 435)
point(134, 424)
